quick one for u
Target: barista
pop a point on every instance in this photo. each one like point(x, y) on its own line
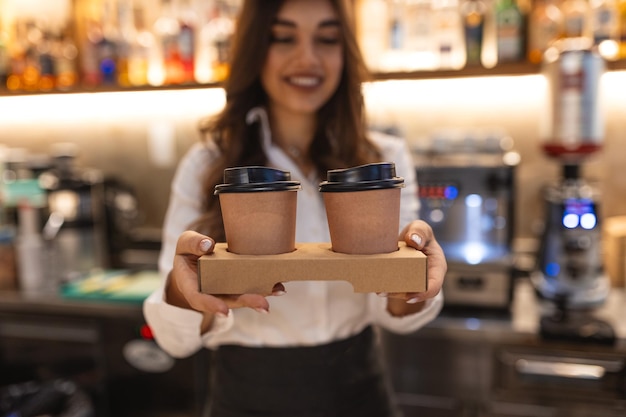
point(294, 102)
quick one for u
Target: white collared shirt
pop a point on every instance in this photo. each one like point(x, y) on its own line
point(311, 312)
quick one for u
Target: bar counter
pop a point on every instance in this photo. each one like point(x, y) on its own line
point(521, 320)
point(464, 363)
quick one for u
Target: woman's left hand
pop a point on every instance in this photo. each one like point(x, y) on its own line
point(419, 234)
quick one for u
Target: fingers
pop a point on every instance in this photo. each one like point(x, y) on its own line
point(190, 246)
point(193, 243)
point(419, 235)
point(221, 304)
point(412, 297)
point(254, 301)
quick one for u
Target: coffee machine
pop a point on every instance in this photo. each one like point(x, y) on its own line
point(569, 270)
point(75, 226)
point(466, 190)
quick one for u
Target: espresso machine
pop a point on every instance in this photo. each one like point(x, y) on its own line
point(466, 190)
point(569, 270)
point(75, 227)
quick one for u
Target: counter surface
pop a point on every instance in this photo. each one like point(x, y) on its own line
point(522, 319)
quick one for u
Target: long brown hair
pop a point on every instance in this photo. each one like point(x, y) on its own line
point(340, 140)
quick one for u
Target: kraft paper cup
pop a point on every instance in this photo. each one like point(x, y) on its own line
point(363, 208)
point(259, 210)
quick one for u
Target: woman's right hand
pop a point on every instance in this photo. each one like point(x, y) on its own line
point(182, 284)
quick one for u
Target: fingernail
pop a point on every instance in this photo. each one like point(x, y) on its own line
point(205, 245)
point(278, 293)
point(417, 239)
point(261, 310)
point(221, 315)
point(413, 300)
point(382, 294)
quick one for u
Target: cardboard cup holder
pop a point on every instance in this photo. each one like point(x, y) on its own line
point(224, 272)
point(363, 209)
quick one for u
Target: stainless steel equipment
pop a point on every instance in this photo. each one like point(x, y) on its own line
point(569, 269)
point(76, 224)
point(466, 191)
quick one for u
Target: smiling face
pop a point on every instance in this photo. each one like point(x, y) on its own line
point(305, 57)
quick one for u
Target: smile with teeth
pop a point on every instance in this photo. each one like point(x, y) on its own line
point(304, 81)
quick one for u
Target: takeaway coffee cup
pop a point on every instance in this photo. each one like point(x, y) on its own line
point(363, 208)
point(259, 210)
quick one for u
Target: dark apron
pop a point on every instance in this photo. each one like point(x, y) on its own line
point(339, 379)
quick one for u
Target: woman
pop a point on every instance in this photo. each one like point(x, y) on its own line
point(293, 102)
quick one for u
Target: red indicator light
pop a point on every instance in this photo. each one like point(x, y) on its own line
point(146, 332)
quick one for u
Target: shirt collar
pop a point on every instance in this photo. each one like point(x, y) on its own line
point(259, 115)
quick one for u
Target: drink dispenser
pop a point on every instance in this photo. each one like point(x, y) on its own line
point(75, 226)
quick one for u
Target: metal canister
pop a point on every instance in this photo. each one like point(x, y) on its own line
point(575, 118)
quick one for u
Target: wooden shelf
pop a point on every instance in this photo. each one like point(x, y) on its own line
point(110, 89)
point(473, 71)
point(523, 68)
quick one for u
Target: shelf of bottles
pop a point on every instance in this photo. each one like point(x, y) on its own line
point(446, 38)
point(106, 45)
point(111, 45)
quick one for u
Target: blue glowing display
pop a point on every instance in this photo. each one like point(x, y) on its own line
point(451, 192)
point(552, 269)
point(579, 212)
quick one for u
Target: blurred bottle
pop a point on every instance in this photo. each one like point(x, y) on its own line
point(544, 27)
point(47, 67)
point(142, 50)
point(24, 202)
point(66, 59)
point(621, 7)
point(4, 57)
point(30, 249)
point(372, 28)
point(167, 30)
point(397, 30)
point(510, 31)
point(214, 45)
point(395, 37)
point(127, 35)
point(108, 45)
point(474, 16)
point(576, 18)
point(421, 48)
point(17, 56)
point(604, 23)
point(604, 29)
point(448, 30)
point(89, 62)
point(29, 73)
point(188, 21)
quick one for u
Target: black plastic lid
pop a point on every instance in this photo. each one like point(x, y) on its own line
point(255, 179)
point(363, 177)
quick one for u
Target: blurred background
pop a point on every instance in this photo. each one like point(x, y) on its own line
point(99, 99)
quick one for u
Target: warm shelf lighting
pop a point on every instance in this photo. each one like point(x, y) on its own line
point(489, 94)
point(67, 108)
